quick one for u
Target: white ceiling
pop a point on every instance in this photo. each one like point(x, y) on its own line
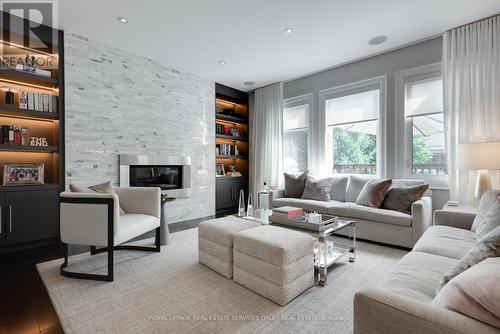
point(193, 35)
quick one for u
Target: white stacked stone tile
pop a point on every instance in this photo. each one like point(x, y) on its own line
point(121, 103)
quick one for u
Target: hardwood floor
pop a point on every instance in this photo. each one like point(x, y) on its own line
point(25, 306)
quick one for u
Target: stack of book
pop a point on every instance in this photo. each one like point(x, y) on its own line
point(33, 70)
point(37, 101)
point(14, 135)
point(226, 149)
point(288, 212)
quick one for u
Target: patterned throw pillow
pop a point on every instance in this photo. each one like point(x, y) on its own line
point(489, 246)
point(401, 198)
point(373, 193)
point(295, 184)
point(103, 188)
point(318, 190)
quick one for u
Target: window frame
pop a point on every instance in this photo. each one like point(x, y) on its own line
point(374, 83)
point(404, 128)
point(295, 101)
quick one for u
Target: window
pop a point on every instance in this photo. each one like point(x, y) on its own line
point(295, 138)
point(425, 126)
point(352, 123)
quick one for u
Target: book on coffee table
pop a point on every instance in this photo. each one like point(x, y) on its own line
point(288, 212)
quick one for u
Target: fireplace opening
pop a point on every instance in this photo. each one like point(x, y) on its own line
point(166, 177)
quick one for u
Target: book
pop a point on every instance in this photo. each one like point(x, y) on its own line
point(54, 103)
point(31, 101)
point(33, 70)
point(45, 102)
point(23, 100)
point(289, 212)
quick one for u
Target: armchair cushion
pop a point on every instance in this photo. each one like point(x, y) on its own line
point(102, 188)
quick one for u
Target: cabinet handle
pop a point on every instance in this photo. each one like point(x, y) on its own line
point(10, 219)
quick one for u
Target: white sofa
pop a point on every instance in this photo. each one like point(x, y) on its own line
point(381, 225)
point(400, 302)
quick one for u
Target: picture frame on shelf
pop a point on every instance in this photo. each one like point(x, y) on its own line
point(23, 174)
point(219, 169)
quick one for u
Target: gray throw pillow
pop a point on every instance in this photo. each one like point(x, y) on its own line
point(489, 246)
point(485, 204)
point(401, 198)
point(318, 190)
point(295, 184)
point(339, 188)
point(373, 193)
point(356, 184)
point(103, 188)
point(490, 221)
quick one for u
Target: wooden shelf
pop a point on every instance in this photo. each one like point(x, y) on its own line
point(28, 148)
point(13, 111)
point(230, 137)
point(27, 78)
point(231, 157)
point(230, 118)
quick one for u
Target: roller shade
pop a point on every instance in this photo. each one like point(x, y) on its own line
point(296, 117)
point(357, 107)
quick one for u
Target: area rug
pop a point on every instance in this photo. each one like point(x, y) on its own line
point(170, 292)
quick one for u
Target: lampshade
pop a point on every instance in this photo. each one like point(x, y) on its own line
point(479, 156)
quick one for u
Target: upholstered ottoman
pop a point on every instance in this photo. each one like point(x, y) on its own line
point(275, 262)
point(215, 242)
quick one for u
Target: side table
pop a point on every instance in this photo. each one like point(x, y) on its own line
point(164, 233)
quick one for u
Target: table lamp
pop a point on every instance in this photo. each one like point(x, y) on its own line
point(481, 156)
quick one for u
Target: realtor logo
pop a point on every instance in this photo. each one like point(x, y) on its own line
point(26, 23)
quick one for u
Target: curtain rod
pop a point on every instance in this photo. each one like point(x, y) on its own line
point(466, 24)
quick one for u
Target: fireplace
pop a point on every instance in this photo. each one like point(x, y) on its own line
point(171, 174)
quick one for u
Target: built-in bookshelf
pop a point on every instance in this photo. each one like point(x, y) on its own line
point(231, 146)
point(31, 133)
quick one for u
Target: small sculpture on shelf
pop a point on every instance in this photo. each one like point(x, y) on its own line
point(39, 141)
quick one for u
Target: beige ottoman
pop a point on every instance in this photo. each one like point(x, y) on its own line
point(215, 242)
point(275, 262)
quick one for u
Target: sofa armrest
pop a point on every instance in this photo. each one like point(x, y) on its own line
point(421, 216)
point(454, 219)
point(377, 311)
point(146, 200)
point(274, 194)
point(84, 217)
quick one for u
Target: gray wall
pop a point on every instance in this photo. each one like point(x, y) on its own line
point(388, 64)
point(122, 103)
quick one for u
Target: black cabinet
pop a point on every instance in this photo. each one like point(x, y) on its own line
point(227, 194)
point(29, 215)
point(2, 219)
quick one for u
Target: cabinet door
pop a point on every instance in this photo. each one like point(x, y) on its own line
point(224, 194)
point(2, 219)
point(31, 215)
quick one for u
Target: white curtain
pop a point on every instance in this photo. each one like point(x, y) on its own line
point(266, 137)
point(471, 62)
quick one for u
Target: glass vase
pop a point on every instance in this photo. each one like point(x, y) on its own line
point(241, 205)
point(250, 206)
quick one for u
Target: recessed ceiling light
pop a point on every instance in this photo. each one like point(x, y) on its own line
point(287, 31)
point(249, 83)
point(222, 62)
point(122, 19)
point(377, 40)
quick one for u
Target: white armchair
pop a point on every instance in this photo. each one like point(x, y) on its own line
point(94, 219)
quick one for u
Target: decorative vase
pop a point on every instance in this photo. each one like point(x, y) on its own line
point(250, 206)
point(241, 206)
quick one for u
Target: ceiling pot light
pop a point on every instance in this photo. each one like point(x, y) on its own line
point(249, 83)
point(122, 19)
point(222, 62)
point(377, 40)
point(287, 31)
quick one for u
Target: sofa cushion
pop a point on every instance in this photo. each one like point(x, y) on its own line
point(317, 189)
point(490, 220)
point(353, 210)
point(417, 275)
point(475, 293)
point(295, 184)
point(446, 241)
point(373, 193)
point(487, 201)
point(401, 198)
point(306, 204)
point(356, 184)
point(339, 188)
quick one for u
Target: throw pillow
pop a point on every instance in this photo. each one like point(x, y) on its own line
point(401, 198)
point(489, 246)
point(103, 188)
point(490, 221)
point(356, 184)
point(475, 293)
point(339, 188)
point(318, 190)
point(295, 184)
point(373, 193)
point(485, 204)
